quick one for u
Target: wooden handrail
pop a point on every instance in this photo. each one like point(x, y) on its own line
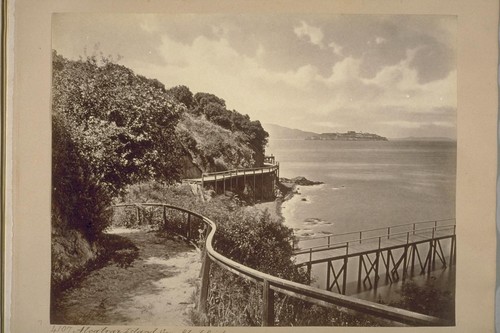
point(341, 244)
point(356, 233)
point(234, 171)
point(273, 284)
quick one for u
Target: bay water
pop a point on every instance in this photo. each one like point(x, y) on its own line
point(367, 185)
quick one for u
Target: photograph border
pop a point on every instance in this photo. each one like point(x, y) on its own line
point(476, 159)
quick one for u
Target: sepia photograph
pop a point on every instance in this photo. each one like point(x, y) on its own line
point(253, 169)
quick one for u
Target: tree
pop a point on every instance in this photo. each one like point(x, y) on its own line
point(118, 126)
point(214, 109)
point(183, 95)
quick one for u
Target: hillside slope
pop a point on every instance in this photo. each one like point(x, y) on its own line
point(281, 132)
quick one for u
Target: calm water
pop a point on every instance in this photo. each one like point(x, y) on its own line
point(366, 185)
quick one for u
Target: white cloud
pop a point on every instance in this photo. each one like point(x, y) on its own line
point(337, 49)
point(313, 34)
point(380, 40)
point(402, 123)
point(344, 99)
point(343, 71)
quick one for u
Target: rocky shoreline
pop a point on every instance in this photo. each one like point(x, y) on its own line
point(288, 187)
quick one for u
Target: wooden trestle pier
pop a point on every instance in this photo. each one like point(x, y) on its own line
point(261, 180)
point(397, 252)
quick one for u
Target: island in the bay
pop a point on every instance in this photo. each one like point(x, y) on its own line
point(349, 136)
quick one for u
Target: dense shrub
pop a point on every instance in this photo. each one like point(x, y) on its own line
point(213, 109)
point(111, 128)
point(78, 200)
point(427, 299)
point(214, 148)
point(255, 240)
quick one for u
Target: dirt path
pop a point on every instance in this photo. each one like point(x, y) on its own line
point(156, 288)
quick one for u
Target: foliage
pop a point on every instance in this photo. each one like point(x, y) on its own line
point(183, 95)
point(111, 128)
point(256, 241)
point(427, 299)
point(78, 200)
point(214, 148)
point(212, 108)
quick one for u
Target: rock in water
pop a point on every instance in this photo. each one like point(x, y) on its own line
point(304, 181)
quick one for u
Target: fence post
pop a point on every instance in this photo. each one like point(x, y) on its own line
point(254, 185)
point(268, 305)
point(215, 185)
point(164, 216)
point(138, 214)
point(189, 227)
point(205, 282)
point(261, 184)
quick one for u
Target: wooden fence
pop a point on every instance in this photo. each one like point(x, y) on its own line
point(197, 227)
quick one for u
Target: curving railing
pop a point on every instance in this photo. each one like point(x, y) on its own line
point(270, 165)
point(201, 227)
point(241, 172)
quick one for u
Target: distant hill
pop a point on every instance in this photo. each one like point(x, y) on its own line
point(429, 138)
point(281, 132)
point(348, 136)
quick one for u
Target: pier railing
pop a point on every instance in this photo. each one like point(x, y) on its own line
point(401, 232)
point(393, 251)
point(270, 165)
point(241, 172)
point(196, 227)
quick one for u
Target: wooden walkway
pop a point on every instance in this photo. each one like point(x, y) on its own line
point(393, 251)
point(260, 180)
point(195, 227)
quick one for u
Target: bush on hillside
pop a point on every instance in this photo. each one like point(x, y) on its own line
point(213, 109)
point(214, 148)
point(427, 299)
point(256, 241)
point(111, 128)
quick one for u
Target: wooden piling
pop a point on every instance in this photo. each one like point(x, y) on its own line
point(344, 277)
point(360, 268)
point(328, 267)
point(405, 255)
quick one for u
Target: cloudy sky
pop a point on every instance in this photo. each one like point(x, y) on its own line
point(391, 75)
